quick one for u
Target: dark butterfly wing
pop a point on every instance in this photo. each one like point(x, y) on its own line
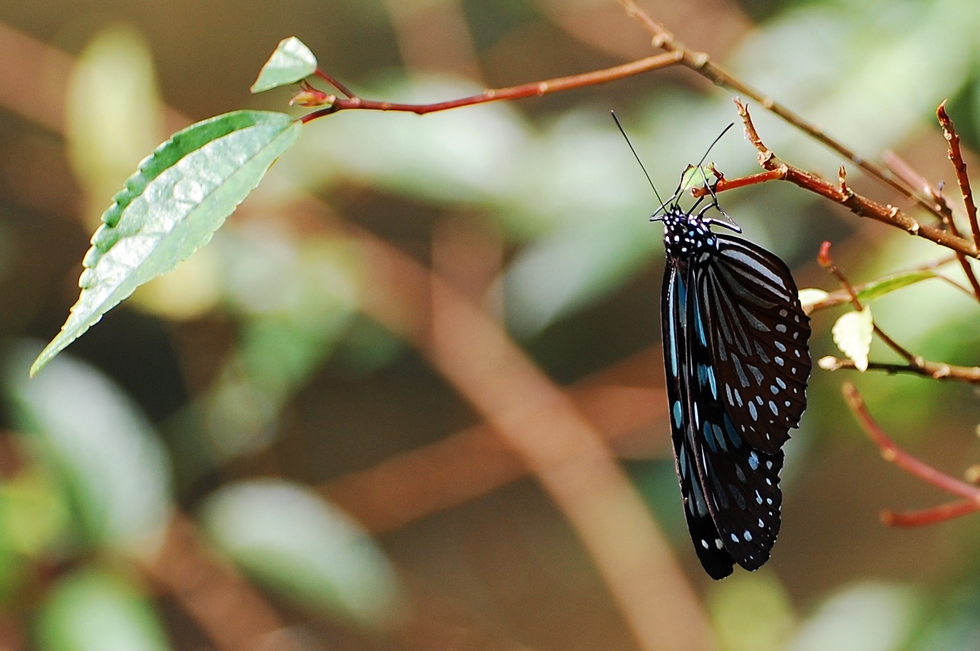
point(737, 364)
point(758, 340)
point(716, 561)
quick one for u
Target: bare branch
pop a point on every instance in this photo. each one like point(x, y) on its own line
point(859, 205)
point(916, 366)
point(534, 89)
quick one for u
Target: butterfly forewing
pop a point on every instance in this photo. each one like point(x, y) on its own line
point(736, 359)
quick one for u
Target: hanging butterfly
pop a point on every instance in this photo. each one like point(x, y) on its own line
point(737, 364)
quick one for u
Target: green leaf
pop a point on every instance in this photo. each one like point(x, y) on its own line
point(96, 611)
point(305, 548)
point(100, 443)
point(697, 176)
point(291, 62)
point(879, 288)
point(852, 334)
point(172, 205)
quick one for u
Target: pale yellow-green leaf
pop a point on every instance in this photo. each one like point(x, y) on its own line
point(291, 62)
point(852, 334)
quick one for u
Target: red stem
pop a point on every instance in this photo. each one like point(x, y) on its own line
point(534, 89)
point(891, 452)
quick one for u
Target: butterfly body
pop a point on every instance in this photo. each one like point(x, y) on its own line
point(737, 364)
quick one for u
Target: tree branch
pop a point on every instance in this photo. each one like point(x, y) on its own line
point(859, 205)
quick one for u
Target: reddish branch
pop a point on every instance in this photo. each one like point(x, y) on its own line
point(891, 452)
point(959, 165)
point(956, 158)
point(535, 89)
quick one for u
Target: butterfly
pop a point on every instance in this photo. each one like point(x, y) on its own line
point(737, 364)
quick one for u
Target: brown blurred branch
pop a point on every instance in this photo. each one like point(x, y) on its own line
point(546, 430)
point(228, 610)
point(894, 454)
point(476, 461)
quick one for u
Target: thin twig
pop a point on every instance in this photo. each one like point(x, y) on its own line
point(858, 204)
point(956, 158)
point(916, 366)
point(933, 515)
point(841, 296)
point(892, 453)
point(534, 89)
point(827, 262)
point(334, 82)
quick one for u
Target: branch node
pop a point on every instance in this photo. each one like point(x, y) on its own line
point(829, 363)
point(842, 178)
point(699, 59)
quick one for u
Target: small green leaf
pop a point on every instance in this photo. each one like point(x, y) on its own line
point(810, 297)
point(291, 62)
point(852, 334)
point(697, 176)
point(308, 550)
point(97, 611)
point(172, 205)
point(888, 284)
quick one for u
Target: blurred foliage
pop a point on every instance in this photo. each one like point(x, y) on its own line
point(248, 383)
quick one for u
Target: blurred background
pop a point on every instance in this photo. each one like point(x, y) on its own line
point(297, 440)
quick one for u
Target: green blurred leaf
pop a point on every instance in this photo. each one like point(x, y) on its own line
point(852, 334)
point(559, 275)
point(751, 612)
point(96, 611)
point(171, 206)
point(295, 294)
point(863, 617)
point(304, 547)
point(291, 62)
point(101, 443)
point(34, 512)
point(889, 284)
point(113, 113)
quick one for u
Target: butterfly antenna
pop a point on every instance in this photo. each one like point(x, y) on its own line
point(637, 157)
point(711, 190)
point(713, 143)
